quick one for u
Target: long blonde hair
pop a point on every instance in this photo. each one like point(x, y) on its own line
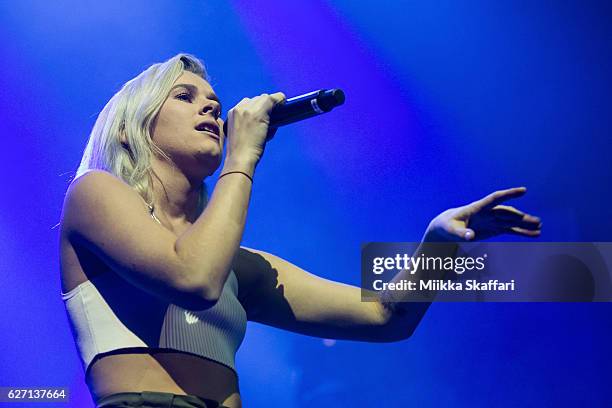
point(120, 141)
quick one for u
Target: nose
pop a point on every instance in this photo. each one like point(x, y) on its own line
point(209, 107)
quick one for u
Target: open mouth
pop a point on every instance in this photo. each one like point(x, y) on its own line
point(210, 129)
point(211, 134)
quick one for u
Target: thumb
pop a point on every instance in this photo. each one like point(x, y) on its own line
point(466, 234)
point(279, 97)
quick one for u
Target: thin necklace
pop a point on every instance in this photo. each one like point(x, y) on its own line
point(153, 214)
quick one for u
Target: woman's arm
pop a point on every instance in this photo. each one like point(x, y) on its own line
point(277, 293)
point(108, 217)
point(280, 294)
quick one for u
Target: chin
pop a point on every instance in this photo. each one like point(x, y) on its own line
point(209, 152)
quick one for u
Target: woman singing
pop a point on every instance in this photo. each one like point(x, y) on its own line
point(156, 286)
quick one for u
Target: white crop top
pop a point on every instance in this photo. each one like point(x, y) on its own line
point(108, 315)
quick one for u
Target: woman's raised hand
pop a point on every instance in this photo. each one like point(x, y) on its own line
point(483, 219)
point(248, 127)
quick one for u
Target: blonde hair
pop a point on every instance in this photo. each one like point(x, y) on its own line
point(120, 141)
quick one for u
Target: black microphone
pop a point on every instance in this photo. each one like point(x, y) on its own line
point(303, 107)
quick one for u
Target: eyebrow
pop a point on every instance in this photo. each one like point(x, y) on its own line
point(194, 89)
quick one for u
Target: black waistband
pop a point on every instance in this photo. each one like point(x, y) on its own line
point(157, 399)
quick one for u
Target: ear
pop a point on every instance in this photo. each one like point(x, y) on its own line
point(123, 137)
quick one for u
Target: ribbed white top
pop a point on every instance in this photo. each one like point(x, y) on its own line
point(108, 314)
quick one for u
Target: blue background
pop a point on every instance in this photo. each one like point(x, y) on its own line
point(446, 102)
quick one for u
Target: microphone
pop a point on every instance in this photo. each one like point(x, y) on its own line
point(303, 107)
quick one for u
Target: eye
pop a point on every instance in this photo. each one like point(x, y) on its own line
point(185, 96)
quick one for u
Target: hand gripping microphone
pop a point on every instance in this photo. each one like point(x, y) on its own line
point(303, 107)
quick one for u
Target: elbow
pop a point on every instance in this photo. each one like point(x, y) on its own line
point(204, 297)
point(400, 323)
point(403, 334)
point(198, 291)
point(197, 300)
point(197, 296)
point(395, 327)
point(385, 334)
point(210, 294)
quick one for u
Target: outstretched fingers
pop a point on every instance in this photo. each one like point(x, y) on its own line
point(498, 197)
point(516, 221)
point(512, 215)
point(525, 232)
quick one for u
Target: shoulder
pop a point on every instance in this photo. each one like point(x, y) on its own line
point(96, 193)
point(98, 186)
point(95, 180)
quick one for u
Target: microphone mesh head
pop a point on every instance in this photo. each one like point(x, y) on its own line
point(331, 98)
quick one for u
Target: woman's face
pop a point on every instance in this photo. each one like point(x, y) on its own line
point(188, 127)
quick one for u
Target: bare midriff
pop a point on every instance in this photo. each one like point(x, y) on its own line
point(160, 371)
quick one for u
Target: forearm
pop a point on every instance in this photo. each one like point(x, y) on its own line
point(208, 247)
point(404, 309)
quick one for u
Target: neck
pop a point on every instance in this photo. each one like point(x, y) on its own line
point(175, 196)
